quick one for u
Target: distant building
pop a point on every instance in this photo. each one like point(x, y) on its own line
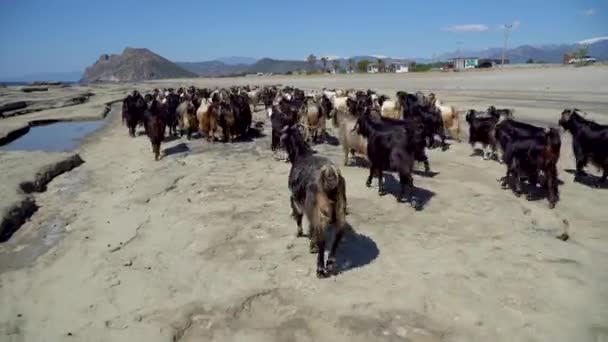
point(373, 68)
point(397, 68)
point(464, 63)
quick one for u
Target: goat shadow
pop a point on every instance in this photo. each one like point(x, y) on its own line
point(252, 134)
point(330, 139)
point(357, 161)
point(177, 149)
point(392, 186)
point(430, 174)
point(588, 180)
point(355, 250)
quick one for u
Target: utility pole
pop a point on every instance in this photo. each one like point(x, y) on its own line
point(507, 28)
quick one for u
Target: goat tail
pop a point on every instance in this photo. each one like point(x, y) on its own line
point(329, 177)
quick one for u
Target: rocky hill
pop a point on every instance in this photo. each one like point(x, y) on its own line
point(133, 65)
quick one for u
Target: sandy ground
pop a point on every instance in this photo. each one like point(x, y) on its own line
point(200, 245)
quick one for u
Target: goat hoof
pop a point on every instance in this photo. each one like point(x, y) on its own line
point(322, 273)
point(299, 234)
point(381, 193)
point(332, 266)
point(551, 205)
point(368, 184)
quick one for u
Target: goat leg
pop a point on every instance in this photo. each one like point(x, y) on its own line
point(381, 191)
point(321, 269)
point(368, 182)
point(604, 175)
point(331, 259)
point(532, 180)
point(297, 215)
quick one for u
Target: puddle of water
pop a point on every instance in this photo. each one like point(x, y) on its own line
point(55, 137)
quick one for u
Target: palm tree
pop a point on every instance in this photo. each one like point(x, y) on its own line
point(311, 59)
point(351, 64)
point(336, 65)
point(324, 61)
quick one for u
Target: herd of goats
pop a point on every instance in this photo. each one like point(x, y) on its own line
point(390, 134)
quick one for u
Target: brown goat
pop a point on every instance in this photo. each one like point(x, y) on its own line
point(208, 118)
point(315, 120)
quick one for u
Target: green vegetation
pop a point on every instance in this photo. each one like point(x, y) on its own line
point(362, 65)
point(311, 60)
point(415, 67)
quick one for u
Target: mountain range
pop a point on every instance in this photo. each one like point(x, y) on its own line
point(544, 53)
point(136, 64)
point(597, 48)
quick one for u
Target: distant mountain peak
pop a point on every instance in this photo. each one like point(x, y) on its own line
point(134, 64)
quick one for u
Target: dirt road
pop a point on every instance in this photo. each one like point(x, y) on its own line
point(200, 245)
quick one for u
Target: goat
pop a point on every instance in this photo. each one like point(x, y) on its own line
point(315, 120)
point(508, 130)
point(589, 142)
point(449, 115)
point(133, 108)
point(351, 142)
point(279, 120)
point(412, 126)
point(530, 156)
point(170, 118)
point(187, 118)
point(389, 148)
point(208, 119)
point(155, 127)
point(318, 191)
point(388, 108)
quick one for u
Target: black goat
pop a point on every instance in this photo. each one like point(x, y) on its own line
point(133, 108)
point(528, 157)
point(318, 191)
point(390, 148)
point(170, 117)
point(432, 123)
point(509, 130)
point(155, 127)
point(481, 130)
point(279, 119)
point(589, 142)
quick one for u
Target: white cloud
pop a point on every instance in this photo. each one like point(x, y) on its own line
point(589, 12)
point(466, 28)
point(592, 40)
point(379, 56)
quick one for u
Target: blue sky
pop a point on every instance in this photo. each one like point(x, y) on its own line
point(67, 35)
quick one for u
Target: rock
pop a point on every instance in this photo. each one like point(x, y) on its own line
point(133, 65)
point(34, 88)
point(12, 106)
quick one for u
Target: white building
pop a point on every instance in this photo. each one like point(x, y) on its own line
point(402, 68)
